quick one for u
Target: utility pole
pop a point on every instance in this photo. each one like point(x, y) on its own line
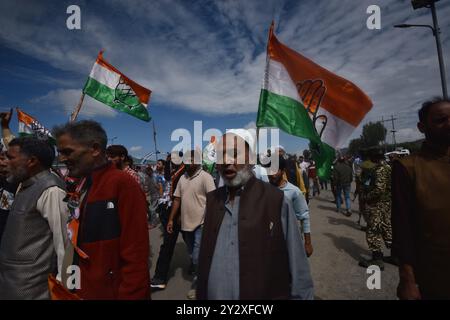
point(437, 36)
point(112, 140)
point(393, 129)
point(393, 132)
point(384, 142)
point(431, 4)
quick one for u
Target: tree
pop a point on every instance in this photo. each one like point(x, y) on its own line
point(354, 146)
point(373, 134)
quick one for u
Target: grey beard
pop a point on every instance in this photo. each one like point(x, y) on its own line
point(241, 178)
point(19, 176)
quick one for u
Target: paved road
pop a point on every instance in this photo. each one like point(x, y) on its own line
point(338, 245)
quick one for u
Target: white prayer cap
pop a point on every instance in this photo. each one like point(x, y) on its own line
point(248, 135)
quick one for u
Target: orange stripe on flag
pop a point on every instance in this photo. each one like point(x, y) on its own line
point(342, 98)
point(142, 92)
point(25, 118)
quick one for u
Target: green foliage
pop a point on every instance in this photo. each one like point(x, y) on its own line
point(373, 133)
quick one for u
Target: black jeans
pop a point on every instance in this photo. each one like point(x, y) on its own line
point(167, 246)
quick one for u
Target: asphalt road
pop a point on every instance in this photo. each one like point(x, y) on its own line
point(338, 246)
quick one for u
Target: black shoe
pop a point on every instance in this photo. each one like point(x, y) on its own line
point(377, 260)
point(363, 228)
point(347, 213)
point(367, 263)
point(158, 284)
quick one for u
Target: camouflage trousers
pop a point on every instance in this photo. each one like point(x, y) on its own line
point(379, 230)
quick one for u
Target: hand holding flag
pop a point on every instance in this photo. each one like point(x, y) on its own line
point(6, 118)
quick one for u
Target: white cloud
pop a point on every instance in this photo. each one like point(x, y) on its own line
point(250, 125)
point(408, 134)
point(67, 99)
point(135, 148)
point(209, 57)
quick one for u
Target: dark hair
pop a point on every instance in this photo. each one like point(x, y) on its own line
point(117, 150)
point(130, 160)
point(149, 170)
point(34, 147)
point(426, 106)
point(282, 163)
point(86, 131)
point(162, 160)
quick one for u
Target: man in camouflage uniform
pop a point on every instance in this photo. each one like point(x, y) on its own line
point(362, 179)
point(378, 210)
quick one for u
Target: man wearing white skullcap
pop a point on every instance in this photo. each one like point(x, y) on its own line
point(250, 243)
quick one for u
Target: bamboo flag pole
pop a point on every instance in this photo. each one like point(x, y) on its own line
point(77, 109)
point(154, 139)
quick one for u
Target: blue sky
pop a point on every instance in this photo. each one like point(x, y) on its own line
point(204, 60)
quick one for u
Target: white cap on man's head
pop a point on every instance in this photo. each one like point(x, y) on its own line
point(248, 135)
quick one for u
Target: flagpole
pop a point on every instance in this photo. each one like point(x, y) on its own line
point(77, 109)
point(154, 139)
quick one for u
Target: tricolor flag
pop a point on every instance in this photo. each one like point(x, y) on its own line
point(29, 126)
point(209, 157)
point(306, 100)
point(108, 85)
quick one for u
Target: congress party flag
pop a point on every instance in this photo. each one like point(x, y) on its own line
point(306, 100)
point(111, 87)
point(29, 126)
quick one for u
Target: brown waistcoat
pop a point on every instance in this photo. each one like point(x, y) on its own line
point(430, 174)
point(263, 258)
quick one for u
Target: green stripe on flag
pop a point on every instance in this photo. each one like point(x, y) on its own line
point(108, 96)
point(324, 156)
point(291, 116)
point(285, 113)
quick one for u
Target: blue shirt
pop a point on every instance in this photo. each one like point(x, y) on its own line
point(299, 205)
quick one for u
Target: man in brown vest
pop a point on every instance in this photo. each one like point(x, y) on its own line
point(251, 246)
point(421, 209)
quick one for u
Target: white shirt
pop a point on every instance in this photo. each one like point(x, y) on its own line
point(304, 166)
point(261, 173)
point(53, 209)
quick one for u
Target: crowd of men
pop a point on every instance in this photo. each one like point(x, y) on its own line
point(246, 225)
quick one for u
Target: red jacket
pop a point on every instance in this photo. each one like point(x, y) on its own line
point(114, 234)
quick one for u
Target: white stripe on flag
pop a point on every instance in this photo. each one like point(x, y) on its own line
point(279, 82)
point(337, 131)
point(105, 76)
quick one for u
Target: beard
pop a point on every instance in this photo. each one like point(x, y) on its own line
point(241, 178)
point(19, 175)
